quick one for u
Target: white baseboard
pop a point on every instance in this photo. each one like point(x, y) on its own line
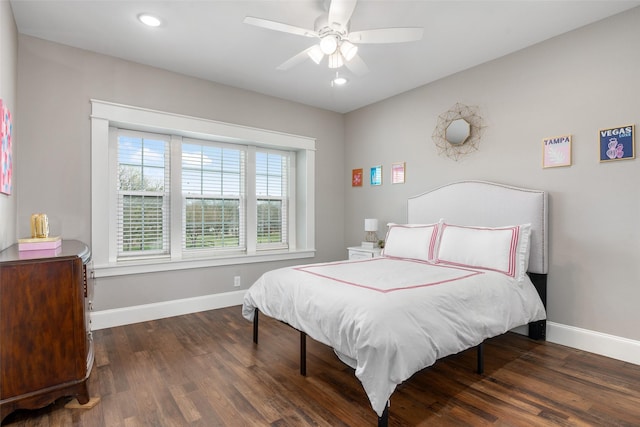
point(141, 313)
point(594, 342)
point(583, 339)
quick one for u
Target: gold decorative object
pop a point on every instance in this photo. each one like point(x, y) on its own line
point(468, 143)
point(39, 226)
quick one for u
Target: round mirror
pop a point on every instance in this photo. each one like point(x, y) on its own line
point(457, 132)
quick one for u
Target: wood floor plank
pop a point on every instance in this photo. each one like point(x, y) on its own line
point(203, 369)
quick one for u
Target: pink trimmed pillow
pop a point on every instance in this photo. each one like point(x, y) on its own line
point(413, 241)
point(502, 249)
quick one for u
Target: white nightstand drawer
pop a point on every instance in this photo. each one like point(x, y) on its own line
point(358, 252)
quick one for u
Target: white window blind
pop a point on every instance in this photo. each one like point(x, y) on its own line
point(272, 183)
point(143, 194)
point(154, 210)
point(213, 189)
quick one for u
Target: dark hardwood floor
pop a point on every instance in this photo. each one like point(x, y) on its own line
point(204, 370)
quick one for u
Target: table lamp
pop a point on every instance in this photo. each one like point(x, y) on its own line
point(370, 236)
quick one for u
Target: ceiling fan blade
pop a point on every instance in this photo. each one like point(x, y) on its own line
point(295, 60)
point(357, 66)
point(340, 12)
point(278, 26)
point(387, 35)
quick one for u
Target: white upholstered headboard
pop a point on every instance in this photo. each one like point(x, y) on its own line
point(487, 204)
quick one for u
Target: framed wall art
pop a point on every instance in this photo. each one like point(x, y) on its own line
point(617, 143)
point(356, 177)
point(397, 173)
point(556, 151)
point(6, 157)
point(376, 175)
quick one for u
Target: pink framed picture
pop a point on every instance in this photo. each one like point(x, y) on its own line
point(556, 151)
point(6, 158)
point(397, 173)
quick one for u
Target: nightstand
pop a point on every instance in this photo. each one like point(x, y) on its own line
point(358, 252)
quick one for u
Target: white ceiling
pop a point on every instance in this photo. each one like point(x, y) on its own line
point(207, 39)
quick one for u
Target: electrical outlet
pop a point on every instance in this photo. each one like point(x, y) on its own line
point(236, 281)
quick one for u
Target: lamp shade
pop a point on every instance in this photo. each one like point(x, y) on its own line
point(329, 44)
point(371, 224)
point(348, 50)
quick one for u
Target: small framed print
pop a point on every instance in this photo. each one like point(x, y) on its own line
point(617, 143)
point(397, 173)
point(6, 157)
point(376, 175)
point(556, 151)
point(356, 177)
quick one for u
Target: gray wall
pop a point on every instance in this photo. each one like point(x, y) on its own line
point(55, 85)
point(8, 83)
point(574, 84)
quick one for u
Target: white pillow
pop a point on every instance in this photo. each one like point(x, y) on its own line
point(503, 249)
point(414, 241)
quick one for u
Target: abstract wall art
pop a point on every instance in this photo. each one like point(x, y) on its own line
point(6, 157)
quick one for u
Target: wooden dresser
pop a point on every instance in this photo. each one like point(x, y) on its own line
point(46, 348)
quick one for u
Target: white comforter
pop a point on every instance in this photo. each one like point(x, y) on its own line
point(393, 317)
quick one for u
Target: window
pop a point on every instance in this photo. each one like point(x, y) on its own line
point(213, 181)
point(196, 193)
point(272, 194)
point(143, 199)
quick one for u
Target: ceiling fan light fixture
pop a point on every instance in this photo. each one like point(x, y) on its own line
point(348, 50)
point(335, 60)
point(316, 54)
point(329, 44)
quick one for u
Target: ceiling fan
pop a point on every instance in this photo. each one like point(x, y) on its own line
point(336, 41)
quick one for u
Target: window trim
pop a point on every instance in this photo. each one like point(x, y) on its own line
point(107, 114)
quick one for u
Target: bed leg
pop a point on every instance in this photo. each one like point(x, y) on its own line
point(383, 421)
point(255, 326)
point(480, 349)
point(303, 354)
point(538, 330)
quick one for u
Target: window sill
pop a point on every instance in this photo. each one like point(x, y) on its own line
point(159, 265)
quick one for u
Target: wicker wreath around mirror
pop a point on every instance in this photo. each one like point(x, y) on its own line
point(456, 150)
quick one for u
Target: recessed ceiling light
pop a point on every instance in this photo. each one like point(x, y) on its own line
point(149, 20)
point(339, 81)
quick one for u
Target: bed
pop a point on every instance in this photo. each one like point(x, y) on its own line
point(470, 263)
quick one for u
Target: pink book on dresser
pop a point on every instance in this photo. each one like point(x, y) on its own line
point(39, 244)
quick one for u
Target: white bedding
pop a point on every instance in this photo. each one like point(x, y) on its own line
point(394, 317)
